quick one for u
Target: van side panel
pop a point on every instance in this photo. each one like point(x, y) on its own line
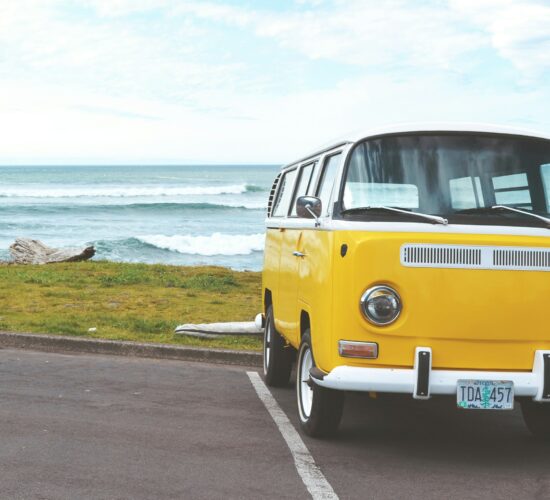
point(286, 319)
point(306, 285)
point(270, 275)
point(315, 291)
point(471, 318)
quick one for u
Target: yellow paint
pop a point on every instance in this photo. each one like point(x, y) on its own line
point(472, 319)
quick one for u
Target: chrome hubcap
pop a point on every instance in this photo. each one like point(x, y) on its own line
point(305, 390)
point(267, 345)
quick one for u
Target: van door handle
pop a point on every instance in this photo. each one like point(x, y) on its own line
point(298, 254)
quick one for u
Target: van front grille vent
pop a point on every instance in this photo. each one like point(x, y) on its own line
point(519, 258)
point(475, 257)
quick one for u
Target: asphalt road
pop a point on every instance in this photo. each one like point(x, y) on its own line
point(79, 426)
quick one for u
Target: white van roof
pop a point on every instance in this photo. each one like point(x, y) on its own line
point(404, 128)
point(445, 127)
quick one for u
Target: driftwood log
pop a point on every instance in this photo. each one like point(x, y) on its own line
point(27, 251)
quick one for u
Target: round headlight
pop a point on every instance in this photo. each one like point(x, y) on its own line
point(381, 305)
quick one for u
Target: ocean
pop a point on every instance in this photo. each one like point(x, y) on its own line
point(184, 215)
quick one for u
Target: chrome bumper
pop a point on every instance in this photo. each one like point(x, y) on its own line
point(535, 384)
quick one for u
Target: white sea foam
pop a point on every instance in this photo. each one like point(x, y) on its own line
point(261, 205)
point(117, 191)
point(215, 244)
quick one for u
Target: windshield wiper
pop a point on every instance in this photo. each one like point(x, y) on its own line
point(494, 208)
point(524, 212)
point(434, 219)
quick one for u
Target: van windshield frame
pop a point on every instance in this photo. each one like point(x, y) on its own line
point(455, 175)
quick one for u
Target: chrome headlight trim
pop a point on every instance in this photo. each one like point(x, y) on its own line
point(385, 290)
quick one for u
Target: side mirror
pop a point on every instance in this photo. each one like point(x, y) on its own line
point(309, 207)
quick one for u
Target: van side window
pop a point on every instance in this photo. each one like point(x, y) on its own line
point(282, 203)
point(311, 188)
point(327, 180)
point(545, 173)
point(303, 183)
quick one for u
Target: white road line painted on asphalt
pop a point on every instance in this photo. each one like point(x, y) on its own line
point(311, 475)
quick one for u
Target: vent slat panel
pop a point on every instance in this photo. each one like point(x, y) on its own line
point(272, 195)
point(471, 257)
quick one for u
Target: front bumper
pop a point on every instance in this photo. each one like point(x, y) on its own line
point(422, 382)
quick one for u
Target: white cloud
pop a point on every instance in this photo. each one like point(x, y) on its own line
point(112, 87)
point(202, 9)
point(358, 32)
point(107, 55)
point(52, 125)
point(372, 33)
point(402, 33)
point(518, 29)
point(216, 11)
point(116, 8)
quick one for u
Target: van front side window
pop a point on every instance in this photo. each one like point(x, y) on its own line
point(325, 186)
point(285, 194)
point(303, 183)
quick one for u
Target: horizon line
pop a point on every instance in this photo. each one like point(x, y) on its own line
point(141, 164)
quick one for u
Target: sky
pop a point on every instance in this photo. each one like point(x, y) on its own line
point(237, 81)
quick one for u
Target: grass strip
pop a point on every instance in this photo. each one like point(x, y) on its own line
point(137, 302)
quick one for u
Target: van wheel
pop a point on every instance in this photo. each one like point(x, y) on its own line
point(277, 355)
point(319, 408)
point(536, 417)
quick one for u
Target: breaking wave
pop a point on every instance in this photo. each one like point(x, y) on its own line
point(215, 244)
point(153, 206)
point(123, 192)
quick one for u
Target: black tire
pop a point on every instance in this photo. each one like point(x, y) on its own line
point(278, 355)
point(536, 417)
point(325, 406)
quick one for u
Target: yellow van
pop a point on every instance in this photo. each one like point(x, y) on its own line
point(412, 261)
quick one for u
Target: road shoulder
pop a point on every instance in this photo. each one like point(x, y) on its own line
point(65, 344)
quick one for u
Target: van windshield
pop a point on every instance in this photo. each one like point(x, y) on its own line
point(460, 176)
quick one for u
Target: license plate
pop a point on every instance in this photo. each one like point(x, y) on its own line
point(485, 394)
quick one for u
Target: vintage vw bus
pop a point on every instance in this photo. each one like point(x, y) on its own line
point(412, 261)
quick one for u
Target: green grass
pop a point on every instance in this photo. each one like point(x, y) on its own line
point(137, 302)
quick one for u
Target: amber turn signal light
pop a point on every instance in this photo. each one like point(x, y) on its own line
point(353, 349)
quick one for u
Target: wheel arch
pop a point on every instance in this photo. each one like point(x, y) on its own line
point(305, 323)
point(268, 299)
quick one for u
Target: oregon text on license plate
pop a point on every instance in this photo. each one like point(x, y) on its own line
point(485, 394)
